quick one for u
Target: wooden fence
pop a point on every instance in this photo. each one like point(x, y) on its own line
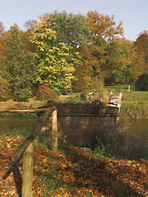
point(26, 149)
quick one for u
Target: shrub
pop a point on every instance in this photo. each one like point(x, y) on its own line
point(22, 94)
point(97, 86)
point(45, 93)
point(142, 83)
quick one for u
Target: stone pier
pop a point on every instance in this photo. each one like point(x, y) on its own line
point(78, 124)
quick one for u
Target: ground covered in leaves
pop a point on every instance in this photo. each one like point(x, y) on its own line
point(72, 172)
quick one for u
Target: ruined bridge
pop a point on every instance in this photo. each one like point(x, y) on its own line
point(80, 123)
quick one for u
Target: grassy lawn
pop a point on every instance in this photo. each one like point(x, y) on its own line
point(134, 103)
point(119, 87)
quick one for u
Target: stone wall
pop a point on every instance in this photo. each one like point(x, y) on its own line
point(79, 124)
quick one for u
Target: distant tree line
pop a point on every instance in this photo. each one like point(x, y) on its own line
point(68, 52)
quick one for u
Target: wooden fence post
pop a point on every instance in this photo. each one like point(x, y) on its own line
point(27, 171)
point(54, 136)
point(23, 146)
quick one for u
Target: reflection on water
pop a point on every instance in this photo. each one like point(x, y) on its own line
point(139, 130)
point(132, 145)
point(8, 124)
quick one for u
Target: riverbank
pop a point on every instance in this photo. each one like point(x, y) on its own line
point(73, 171)
point(134, 103)
point(31, 104)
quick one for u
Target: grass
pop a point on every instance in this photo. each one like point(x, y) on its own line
point(119, 189)
point(15, 115)
point(116, 145)
point(119, 87)
point(134, 103)
point(16, 132)
point(32, 103)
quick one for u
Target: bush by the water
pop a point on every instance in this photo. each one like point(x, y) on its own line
point(142, 83)
point(45, 93)
point(117, 145)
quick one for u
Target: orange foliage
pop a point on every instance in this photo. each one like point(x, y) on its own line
point(2, 43)
point(103, 26)
point(142, 49)
point(44, 92)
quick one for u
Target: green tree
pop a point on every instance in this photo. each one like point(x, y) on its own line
point(124, 64)
point(70, 28)
point(53, 68)
point(19, 67)
point(142, 83)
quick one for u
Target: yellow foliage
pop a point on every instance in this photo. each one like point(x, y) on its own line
point(4, 89)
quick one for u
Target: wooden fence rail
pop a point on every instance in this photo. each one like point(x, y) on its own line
point(26, 143)
point(26, 149)
point(25, 111)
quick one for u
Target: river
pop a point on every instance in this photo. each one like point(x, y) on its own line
point(11, 122)
point(138, 128)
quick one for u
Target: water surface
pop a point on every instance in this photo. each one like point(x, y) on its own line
point(138, 128)
point(9, 123)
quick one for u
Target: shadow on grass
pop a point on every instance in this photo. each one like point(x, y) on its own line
point(83, 173)
point(17, 177)
point(95, 174)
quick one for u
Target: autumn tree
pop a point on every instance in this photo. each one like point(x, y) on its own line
point(2, 44)
point(29, 25)
point(100, 52)
point(142, 51)
point(2, 28)
point(19, 67)
point(53, 69)
point(4, 89)
point(103, 27)
point(4, 85)
point(28, 45)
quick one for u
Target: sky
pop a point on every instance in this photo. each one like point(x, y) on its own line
point(133, 13)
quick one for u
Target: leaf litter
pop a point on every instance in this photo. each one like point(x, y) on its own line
point(72, 172)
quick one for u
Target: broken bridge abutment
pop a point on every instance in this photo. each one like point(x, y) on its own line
point(79, 124)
